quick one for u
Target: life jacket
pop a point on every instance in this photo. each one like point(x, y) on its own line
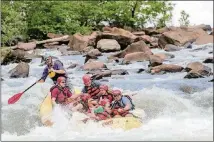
point(93, 90)
point(54, 78)
point(61, 91)
point(108, 96)
point(121, 104)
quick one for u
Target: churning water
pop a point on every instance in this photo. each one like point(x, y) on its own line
point(176, 108)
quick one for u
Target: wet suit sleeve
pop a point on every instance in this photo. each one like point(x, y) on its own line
point(45, 74)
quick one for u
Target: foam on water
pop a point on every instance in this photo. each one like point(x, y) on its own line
point(171, 112)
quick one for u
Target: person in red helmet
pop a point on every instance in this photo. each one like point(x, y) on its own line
point(121, 105)
point(60, 93)
point(105, 93)
point(91, 87)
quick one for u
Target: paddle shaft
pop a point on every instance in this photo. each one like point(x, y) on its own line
point(31, 85)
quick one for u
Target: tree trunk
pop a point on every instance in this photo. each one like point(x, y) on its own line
point(133, 13)
point(46, 41)
point(53, 39)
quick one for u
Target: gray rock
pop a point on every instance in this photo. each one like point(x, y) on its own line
point(20, 71)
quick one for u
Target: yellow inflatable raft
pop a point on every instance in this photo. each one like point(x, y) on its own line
point(125, 123)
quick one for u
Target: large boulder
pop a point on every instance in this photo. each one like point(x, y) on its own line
point(194, 66)
point(166, 68)
point(150, 31)
point(108, 45)
point(136, 56)
point(198, 68)
point(155, 61)
point(79, 42)
point(171, 48)
point(107, 73)
point(15, 56)
point(188, 45)
point(20, 71)
point(180, 36)
point(139, 46)
point(147, 39)
point(4, 52)
point(165, 56)
point(94, 52)
point(201, 26)
point(193, 74)
point(94, 65)
point(26, 46)
point(123, 37)
point(204, 39)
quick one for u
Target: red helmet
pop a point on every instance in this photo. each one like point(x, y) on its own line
point(116, 92)
point(60, 79)
point(86, 79)
point(104, 87)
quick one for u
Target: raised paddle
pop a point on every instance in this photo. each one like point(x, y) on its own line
point(16, 97)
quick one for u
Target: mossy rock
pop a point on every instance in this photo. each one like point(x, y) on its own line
point(13, 56)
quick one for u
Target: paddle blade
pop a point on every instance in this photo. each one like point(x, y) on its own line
point(15, 98)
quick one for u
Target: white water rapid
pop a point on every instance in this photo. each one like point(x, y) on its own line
point(172, 114)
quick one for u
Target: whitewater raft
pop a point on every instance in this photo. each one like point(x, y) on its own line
point(125, 123)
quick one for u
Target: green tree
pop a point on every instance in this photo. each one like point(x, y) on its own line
point(37, 18)
point(138, 13)
point(184, 19)
point(13, 22)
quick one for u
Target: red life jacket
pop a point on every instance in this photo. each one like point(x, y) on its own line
point(61, 90)
point(92, 90)
point(108, 96)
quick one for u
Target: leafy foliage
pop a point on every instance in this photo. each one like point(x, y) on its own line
point(184, 19)
point(37, 18)
point(13, 23)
